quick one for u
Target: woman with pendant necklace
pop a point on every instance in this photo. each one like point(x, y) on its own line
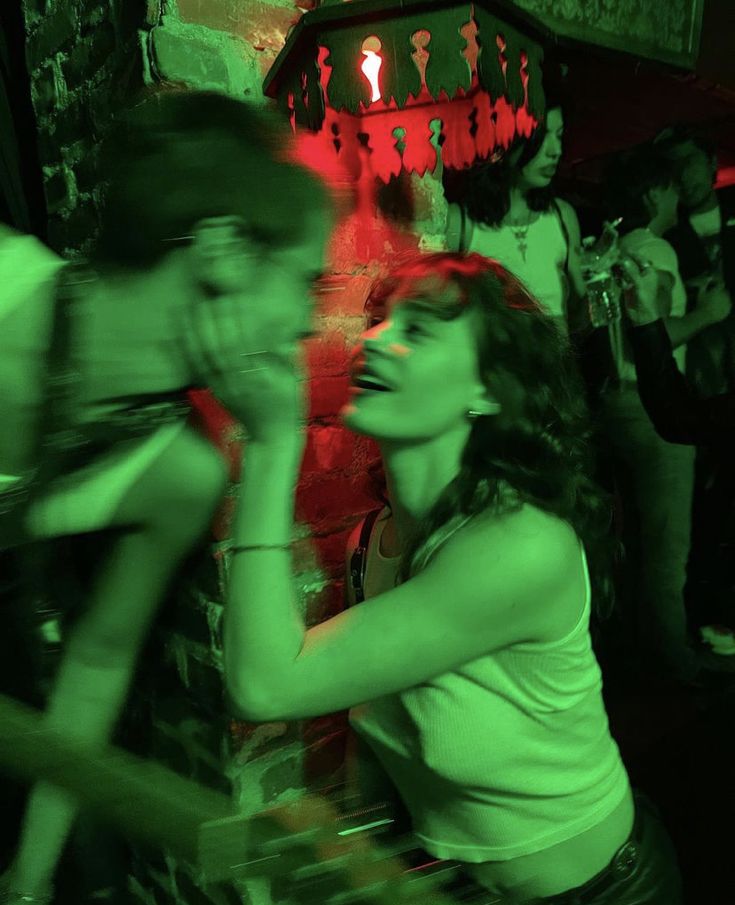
point(507, 210)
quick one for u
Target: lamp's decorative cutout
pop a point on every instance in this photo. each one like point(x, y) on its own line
point(372, 71)
point(420, 40)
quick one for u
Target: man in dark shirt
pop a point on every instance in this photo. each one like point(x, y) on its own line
point(681, 415)
point(704, 241)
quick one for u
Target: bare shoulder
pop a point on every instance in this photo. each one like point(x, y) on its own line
point(525, 557)
point(524, 527)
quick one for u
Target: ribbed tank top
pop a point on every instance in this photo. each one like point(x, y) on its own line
point(543, 270)
point(506, 756)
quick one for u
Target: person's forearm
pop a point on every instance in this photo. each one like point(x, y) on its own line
point(682, 329)
point(663, 389)
point(263, 630)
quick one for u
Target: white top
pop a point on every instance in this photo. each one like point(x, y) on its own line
point(707, 224)
point(86, 500)
point(504, 756)
point(541, 269)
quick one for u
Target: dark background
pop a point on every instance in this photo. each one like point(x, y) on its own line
point(21, 186)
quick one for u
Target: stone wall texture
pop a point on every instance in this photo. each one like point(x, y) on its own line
point(86, 58)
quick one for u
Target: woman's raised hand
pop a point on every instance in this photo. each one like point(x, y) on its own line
point(260, 384)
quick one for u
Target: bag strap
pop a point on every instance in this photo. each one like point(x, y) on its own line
point(565, 233)
point(358, 561)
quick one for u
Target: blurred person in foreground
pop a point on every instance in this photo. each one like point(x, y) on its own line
point(202, 207)
point(468, 669)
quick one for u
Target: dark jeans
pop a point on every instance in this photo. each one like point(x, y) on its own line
point(656, 482)
point(644, 871)
point(710, 590)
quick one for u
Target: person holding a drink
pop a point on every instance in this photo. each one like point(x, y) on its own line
point(654, 478)
point(682, 415)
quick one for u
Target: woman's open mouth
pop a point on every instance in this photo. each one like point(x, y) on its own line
point(367, 384)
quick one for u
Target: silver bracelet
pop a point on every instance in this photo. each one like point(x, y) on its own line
point(243, 549)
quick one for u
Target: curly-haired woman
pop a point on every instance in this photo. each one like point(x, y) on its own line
point(468, 670)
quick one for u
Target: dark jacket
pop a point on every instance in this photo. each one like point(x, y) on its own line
point(680, 415)
point(677, 412)
point(711, 354)
point(693, 260)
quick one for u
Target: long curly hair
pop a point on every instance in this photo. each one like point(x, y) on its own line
point(538, 449)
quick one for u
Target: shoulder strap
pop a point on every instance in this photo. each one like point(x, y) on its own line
point(358, 561)
point(565, 233)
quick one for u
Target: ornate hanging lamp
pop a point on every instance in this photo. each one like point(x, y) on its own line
point(399, 79)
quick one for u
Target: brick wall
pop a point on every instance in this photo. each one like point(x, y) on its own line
point(84, 56)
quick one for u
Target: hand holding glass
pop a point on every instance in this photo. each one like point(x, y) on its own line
point(603, 291)
point(639, 282)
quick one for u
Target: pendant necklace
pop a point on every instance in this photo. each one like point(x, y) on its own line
point(520, 233)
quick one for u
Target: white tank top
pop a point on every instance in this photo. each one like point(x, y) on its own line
point(543, 268)
point(504, 756)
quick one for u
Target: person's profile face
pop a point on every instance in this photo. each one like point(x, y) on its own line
point(695, 173)
point(426, 368)
point(668, 205)
point(285, 292)
point(541, 169)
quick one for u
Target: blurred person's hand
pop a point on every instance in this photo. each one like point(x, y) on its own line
point(262, 387)
point(713, 301)
point(640, 289)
